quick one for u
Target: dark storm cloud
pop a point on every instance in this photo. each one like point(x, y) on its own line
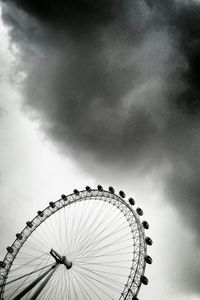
point(100, 72)
point(118, 82)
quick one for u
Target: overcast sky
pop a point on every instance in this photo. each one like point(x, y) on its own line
point(106, 92)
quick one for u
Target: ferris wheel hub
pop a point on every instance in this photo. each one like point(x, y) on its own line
point(61, 259)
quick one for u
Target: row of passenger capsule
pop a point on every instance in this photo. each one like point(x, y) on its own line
point(148, 259)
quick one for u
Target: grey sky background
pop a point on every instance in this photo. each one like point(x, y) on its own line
point(106, 91)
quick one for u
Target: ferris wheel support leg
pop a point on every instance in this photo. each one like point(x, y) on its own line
point(31, 286)
point(43, 284)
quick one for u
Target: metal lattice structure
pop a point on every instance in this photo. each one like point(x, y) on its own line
point(97, 214)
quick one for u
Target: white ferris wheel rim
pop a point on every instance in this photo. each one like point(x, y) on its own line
point(135, 226)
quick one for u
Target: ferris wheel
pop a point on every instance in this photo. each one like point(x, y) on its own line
point(89, 245)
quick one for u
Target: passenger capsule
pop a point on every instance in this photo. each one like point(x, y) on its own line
point(2, 264)
point(40, 213)
point(148, 259)
point(149, 241)
point(19, 236)
point(111, 189)
point(29, 224)
point(122, 194)
point(10, 249)
point(145, 224)
point(52, 204)
point(144, 280)
point(64, 197)
point(100, 188)
point(131, 201)
point(139, 211)
point(76, 192)
point(88, 189)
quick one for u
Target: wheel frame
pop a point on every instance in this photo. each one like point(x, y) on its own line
point(138, 267)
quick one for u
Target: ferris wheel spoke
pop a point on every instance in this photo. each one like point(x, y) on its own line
point(111, 273)
point(69, 287)
point(54, 288)
point(27, 279)
point(103, 237)
point(109, 262)
point(50, 233)
point(54, 285)
point(43, 284)
point(83, 290)
point(38, 242)
point(59, 230)
point(66, 229)
point(92, 286)
point(56, 232)
point(60, 234)
point(107, 265)
point(48, 290)
point(16, 286)
point(91, 223)
point(101, 274)
point(90, 246)
point(34, 247)
point(90, 212)
point(105, 246)
point(28, 274)
point(74, 289)
point(52, 229)
point(103, 263)
point(61, 285)
point(42, 240)
point(72, 227)
point(44, 237)
point(107, 254)
point(80, 226)
point(95, 218)
point(92, 279)
point(73, 231)
point(91, 255)
point(67, 281)
point(27, 263)
point(64, 284)
point(95, 242)
point(94, 229)
point(30, 286)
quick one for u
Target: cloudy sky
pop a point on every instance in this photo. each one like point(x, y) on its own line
point(106, 92)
